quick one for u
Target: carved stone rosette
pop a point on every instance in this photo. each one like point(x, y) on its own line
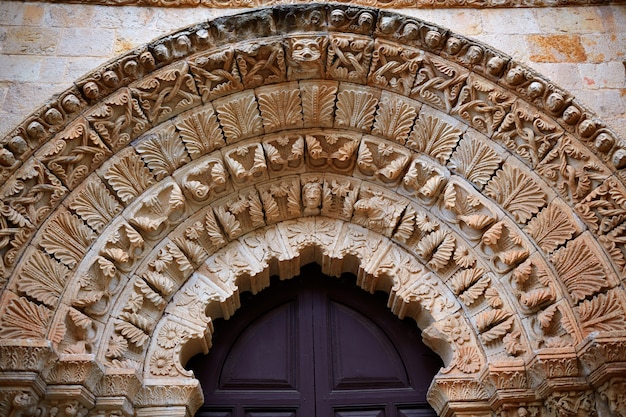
point(136, 208)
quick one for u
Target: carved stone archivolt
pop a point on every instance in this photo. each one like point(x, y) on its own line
point(487, 202)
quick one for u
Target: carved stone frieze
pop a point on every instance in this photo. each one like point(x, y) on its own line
point(139, 204)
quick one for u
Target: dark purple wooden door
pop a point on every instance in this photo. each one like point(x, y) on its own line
point(315, 346)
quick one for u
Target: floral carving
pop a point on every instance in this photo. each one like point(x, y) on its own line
point(98, 285)
point(43, 278)
point(552, 227)
point(504, 246)
point(376, 211)
point(163, 151)
point(239, 116)
point(355, 109)
point(394, 67)
point(280, 107)
point(128, 176)
point(123, 246)
point(434, 137)
point(284, 153)
point(241, 214)
point(336, 151)
point(516, 192)
point(163, 206)
point(23, 319)
point(206, 179)
point(394, 118)
point(67, 238)
point(281, 200)
point(475, 160)
point(200, 131)
point(318, 103)
point(95, 205)
point(425, 180)
point(338, 197)
point(246, 163)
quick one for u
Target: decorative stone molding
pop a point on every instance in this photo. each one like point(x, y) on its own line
point(484, 200)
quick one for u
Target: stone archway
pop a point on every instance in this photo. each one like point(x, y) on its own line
point(486, 201)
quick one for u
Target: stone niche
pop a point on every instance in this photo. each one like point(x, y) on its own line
point(138, 205)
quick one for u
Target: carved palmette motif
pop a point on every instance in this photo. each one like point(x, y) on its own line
point(355, 108)
point(95, 204)
point(239, 116)
point(394, 117)
point(434, 137)
point(205, 179)
point(128, 176)
point(280, 106)
point(200, 131)
point(241, 213)
point(67, 238)
point(318, 103)
point(281, 200)
point(162, 151)
point(475, 159)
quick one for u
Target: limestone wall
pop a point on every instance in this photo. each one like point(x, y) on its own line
point(45, 47)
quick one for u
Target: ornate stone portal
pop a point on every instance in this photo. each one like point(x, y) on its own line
point(487, 202)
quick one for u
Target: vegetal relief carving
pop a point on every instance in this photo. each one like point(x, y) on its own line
point(200, 131)
point(603, 312)
point(216, 73)
point(123, 246)
point(166, 92)
point(338, 197)
point(230, 263)
point(246, 162)
point(529, 133)
point(23, 319)
point(434, 137)
point(74, 153)
point(349, 58)
point(356, 107)
point(516, 191)
point(67, 238)
point(613, 393)
point(377, 210)
point(240, 213)
point(272, 255)
point(425, 180)
point(118, 119)
point(280, 106)
point(98, 284)
point(261, 63)
point(200, 237)
point(553, 226)
point(239, 116)
point(470, 284)
point(306, 57)
point(504, 245)
point(74, 333)
point(42, 278)
point(463, 206)
point(15, 232)
point(394, 117)
point(162, 151)
point(127, 175)
point(571, 404)
point(205, 179)
point(394, 66)
point(438, 82)
point(336, 151)
point(604, 211)
point(318, 103)
point(365, 246)
point(304, 234)
point(483, 105)
point(572, 170)
point(281, 199)
point(95, 204)
point(475, 159)
point(381, 160)
point(284, 153)
point(162, 207)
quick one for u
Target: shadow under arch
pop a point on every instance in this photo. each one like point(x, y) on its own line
point(168, 166)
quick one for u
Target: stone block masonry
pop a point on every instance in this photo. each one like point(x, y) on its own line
point(45, 47)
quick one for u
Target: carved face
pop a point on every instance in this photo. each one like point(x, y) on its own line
point(474, 54)
point(71, 103)
point(305, 50)
point(453, 46)
point(515, 76)
point(6, 158)
point(110, 79)
point(366, 20)
point(495, 65)
point(410, 31)
point(91, 90)
point(555, 102)
point(312, 195)
point(432, 39)
point(571, 115)
point(147, 60)
point(337, 18)
point(535, 89)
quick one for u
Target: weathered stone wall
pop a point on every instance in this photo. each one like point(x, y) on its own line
point(45, 47)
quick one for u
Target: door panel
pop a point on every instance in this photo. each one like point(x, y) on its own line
point(315, 346)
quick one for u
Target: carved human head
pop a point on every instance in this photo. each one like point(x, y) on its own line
point(515, 76)
point(7, 159)
point(36, 130)
point(495, 65)
point(337, 17)
point(146, 59)
point(474, 54)
point(410, 31)
point(53, 116)
point(110, 79)
point(535, 89)
point(571, 115)
point(91, 90)
point(366, 20)
point(433, 39)
point(312, 195)
point(70, 103)
point(453, 46)
point(555, 103)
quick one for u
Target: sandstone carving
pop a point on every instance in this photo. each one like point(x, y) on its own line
point(485, 201)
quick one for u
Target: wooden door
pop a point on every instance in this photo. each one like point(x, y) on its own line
point(315, 346)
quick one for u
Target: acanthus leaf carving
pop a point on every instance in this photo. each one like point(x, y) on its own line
point(504, 246)
point(280, 106)
point(332, 150)
point(552, 227)
point(95, 204)
point(516, 192)
point(284, 153)
point(124, 245)
point(67, 238)
point(377, 211)
point(394, 117)
point(23, 319)
point(602, 313)
point(200, 131)
point(355, 108)
point(163, 206)
point(98, 285)
point(281, 199)
point(318, 103)
point(571, 404)
point(425, 180)
point(241, 213)
point(239, 116)
point(338, 197)
point(43, 278)
point(469, 284)
point(205, 179)
point(246, 163)
point(128, 176)
point(162, 150)
point(475, 160)
point(434, 137)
